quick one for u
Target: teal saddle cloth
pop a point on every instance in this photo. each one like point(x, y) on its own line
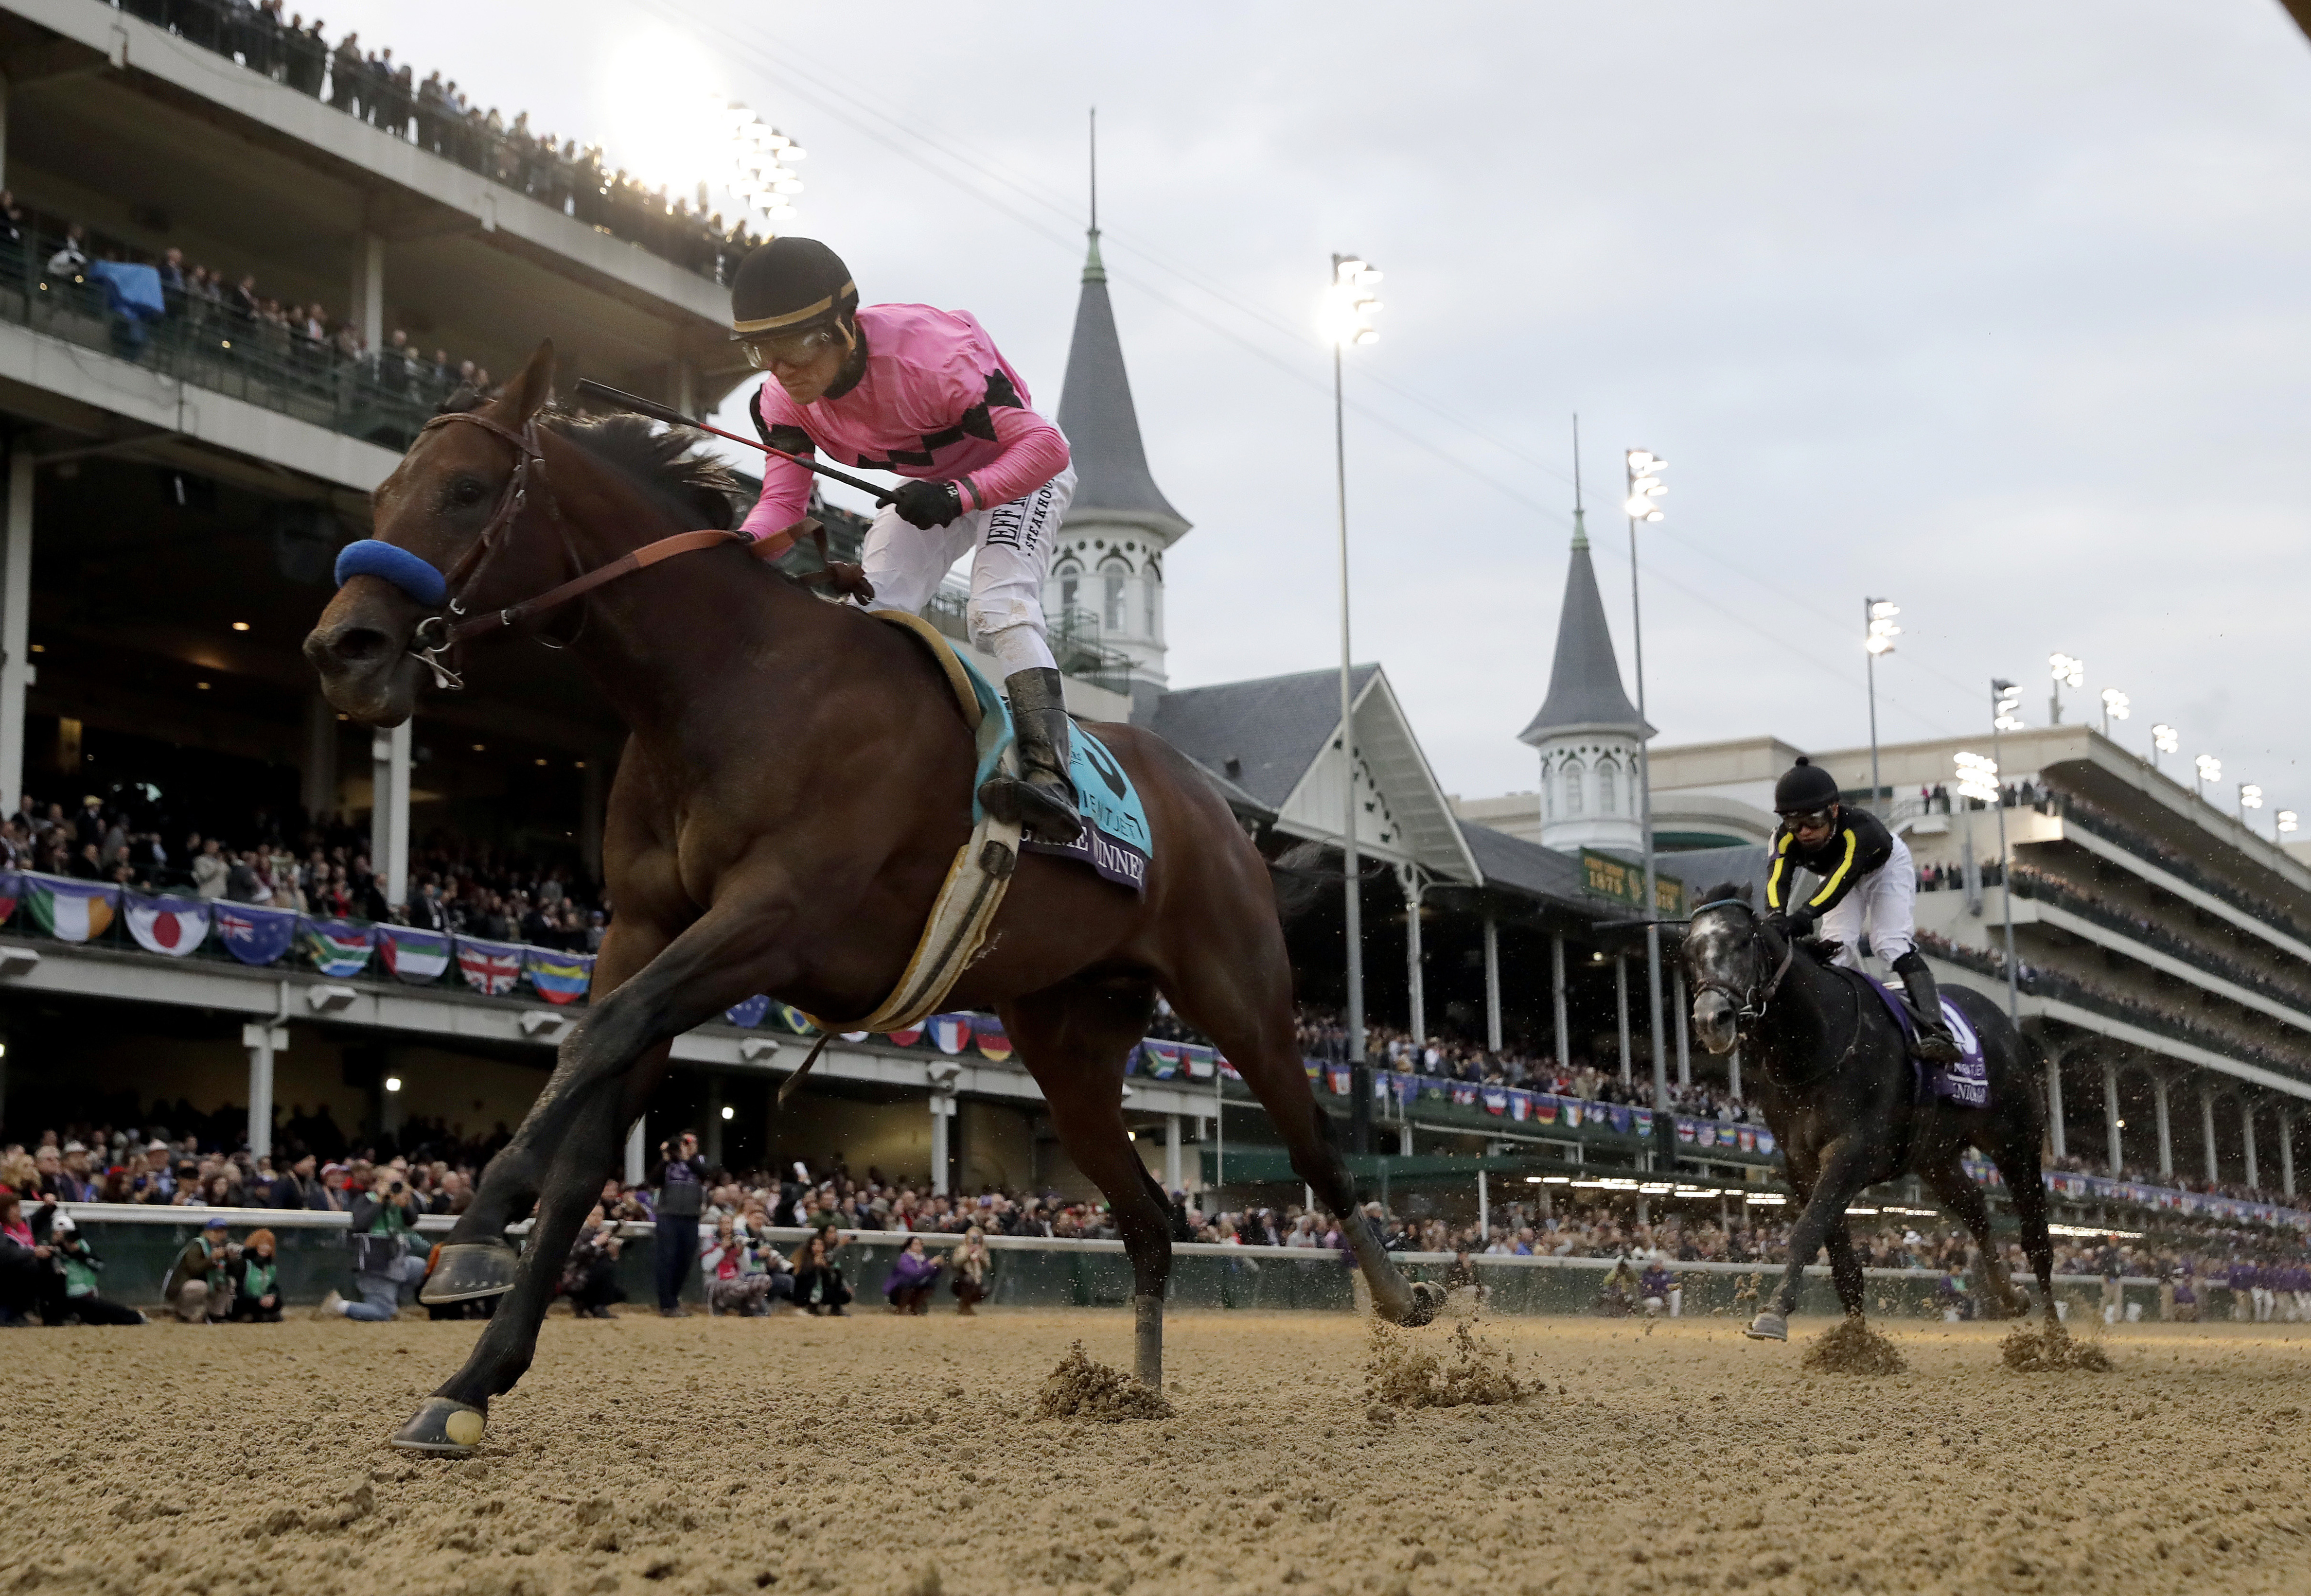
point(1115, 842)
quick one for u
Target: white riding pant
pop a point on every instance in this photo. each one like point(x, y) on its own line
point(1010, 549)
point(1880, 904)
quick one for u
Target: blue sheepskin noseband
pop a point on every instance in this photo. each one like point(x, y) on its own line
point(414, 576)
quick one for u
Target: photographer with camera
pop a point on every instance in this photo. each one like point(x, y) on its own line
point(382, 1221)
point(680, 1177)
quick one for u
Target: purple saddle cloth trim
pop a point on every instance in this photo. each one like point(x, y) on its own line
point(1966, 1082)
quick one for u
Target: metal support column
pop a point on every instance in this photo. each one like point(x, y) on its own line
point(2159, 1087)
point(262, 1042)
point(1556, 989)
point(2207, 1126)
point(2110, 1117)
point(1492, 986)
point(1684, 1043)
point(1484, 1212)
point(1171, 1152)
point(1733, 1071)
point(16, 672)
point(637, 1152)
point(389, 816)
point(942, 1119)
point(714, 1140)
point(1409, 877)
point(1621, 995)
point(2287, 1151)
point(2054, 1106)
point(317, 783)
point(369, 288)
point(2246, 1135)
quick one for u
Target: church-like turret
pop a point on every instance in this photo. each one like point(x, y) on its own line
point(1108, 568)
point(1587, 731)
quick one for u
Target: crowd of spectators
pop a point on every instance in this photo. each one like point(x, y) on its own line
point(440, 116)
point(2030, 881)
point(230, 314)
point(2100, 822)
point(2107, 999)
point(322, 869)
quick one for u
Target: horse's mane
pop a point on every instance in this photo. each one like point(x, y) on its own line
point(697, 486)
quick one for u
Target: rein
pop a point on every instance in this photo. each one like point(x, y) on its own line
point(436, 635)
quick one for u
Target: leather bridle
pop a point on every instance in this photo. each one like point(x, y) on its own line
point(1749, 1003)
point(1750, 1006)
point(436, 635)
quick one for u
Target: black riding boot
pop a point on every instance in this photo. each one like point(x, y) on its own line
point(1936, 1045)
point(1041, 798)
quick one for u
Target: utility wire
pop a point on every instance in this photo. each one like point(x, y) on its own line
point(941, 157)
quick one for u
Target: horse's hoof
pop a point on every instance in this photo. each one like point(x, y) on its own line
point(1767, 1327)
point(443, 1427)
point(470, 1270)
point(1420, 1307)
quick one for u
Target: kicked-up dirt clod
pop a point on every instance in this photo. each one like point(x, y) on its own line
point(1852, 1347)
point(1080, 1388)
point(2040, 1348)
point(1406, 1371)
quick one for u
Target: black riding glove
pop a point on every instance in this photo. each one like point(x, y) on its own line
point(928, 504)
point(1791, 923)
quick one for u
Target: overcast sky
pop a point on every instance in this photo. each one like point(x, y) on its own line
point(2001, 311)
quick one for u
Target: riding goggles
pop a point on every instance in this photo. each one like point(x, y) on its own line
point(788, 349)
point(1808, 820)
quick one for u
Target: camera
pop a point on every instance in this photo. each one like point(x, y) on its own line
point(396, 1188)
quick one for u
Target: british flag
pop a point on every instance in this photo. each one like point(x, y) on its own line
point(491, 967)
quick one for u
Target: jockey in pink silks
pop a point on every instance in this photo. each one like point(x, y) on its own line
point(926, 394)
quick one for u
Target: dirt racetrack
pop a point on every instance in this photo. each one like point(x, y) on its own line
point(798, 1454)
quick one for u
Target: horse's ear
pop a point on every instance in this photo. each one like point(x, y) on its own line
point(527, 393)
point(1746, 893)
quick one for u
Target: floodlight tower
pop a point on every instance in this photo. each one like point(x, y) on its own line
point(1879, 633)
point(2067, 672)
point(2004, 699)
point(1349, 303)
point(2164, 740)
point(2250, 796)
point(1645, 485)
point(2115, 706)
point(2211, 773)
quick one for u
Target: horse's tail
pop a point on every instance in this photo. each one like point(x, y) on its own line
point(1298, 881)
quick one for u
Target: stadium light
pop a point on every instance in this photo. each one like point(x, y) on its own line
point(2250, 796)
point(2164, 740)
point(1645, 484)
point(2210, 771)
point(1977, 776)
point(728, 1112)
point(2285, 820)
point(2067, 672)
point(393, 1083)
point(2005, 701)
point(1349, 303)
point(2115, 706)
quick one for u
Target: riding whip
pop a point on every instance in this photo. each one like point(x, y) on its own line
point(591, 389)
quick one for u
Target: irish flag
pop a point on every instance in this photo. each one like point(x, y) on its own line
point(172, 926)
point(69, 910)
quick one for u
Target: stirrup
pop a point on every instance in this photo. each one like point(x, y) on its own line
point(1936, 1045)
point(1016, 801)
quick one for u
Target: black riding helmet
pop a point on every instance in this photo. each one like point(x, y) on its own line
point(790, 285)
point(1804, 788)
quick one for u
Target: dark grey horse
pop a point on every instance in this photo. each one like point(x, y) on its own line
point(1833, 1072)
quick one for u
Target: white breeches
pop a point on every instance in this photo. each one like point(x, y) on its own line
point(1880, 903)
point(1010, 549)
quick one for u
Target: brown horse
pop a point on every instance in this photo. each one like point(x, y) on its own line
point(795, 784)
